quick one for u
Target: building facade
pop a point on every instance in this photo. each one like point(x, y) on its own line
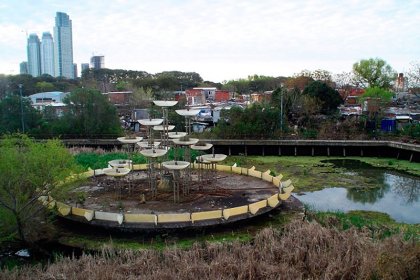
point(23, 66)
point(34, 55)
point(63, 47)
point(97, 62)
point(47, 54)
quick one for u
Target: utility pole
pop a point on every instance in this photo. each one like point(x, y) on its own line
point(281, 110)
point(21, 109)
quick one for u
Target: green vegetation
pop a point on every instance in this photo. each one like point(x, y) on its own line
point(308, 173)
point(30, 170)
point(374, 72)
point(379, 225)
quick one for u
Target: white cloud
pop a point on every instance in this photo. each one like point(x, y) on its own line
point(227, 39)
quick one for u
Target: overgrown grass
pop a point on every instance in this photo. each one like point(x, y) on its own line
point(301, 250)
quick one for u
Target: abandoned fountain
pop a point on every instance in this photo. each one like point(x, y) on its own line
point(183, 183)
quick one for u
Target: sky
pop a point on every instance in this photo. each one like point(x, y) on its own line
point(221, 39)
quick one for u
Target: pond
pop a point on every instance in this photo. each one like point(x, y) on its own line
point(394, 193)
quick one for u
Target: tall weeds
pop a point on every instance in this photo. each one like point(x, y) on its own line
point(301, 250)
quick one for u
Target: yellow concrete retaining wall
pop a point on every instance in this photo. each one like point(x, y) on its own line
point(284, 196)
point(267, 177)
point(87, 214)
point(63, 209)
point(224, 168)
point(288, 189)
point(254, 207)
point(277, 180)
point(108, 216)
point(140, 218)
point(236, 170)
point(174, 218)
point(273, 200)
point(229, 212)
point(254, 173)
point(206, 215)
point(286, 183)
point(244, 171)
point(142, 166)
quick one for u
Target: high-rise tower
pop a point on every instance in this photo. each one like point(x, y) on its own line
point(63, 47)
point(34, 55)
point(47, 54)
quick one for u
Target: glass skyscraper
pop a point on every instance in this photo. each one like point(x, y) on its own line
point(47, 54)
point(34, 55)
point(63, 47)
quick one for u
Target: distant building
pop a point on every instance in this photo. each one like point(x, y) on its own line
point(119, 97)
point(400, 85)
point(47, 54)
point(63, 47)
point(84, 66)
point(34, 55)
point(49, 100)
point(75, 70)
point(97, 62)
point(23, 66)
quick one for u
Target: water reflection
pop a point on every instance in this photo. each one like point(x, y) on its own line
point(406, 187)
point(395, 193)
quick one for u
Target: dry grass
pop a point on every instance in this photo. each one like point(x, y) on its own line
point(302, 250)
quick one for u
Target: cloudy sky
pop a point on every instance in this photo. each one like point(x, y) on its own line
point(221, 39)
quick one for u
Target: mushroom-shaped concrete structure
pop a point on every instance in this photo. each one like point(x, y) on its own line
point(163, 128)
point(153, 153)
point(146, 144)
point(129, 140)
point(176, 134)
point(201, 147)
point(175, 164)
point(188, 112)
point(120, 163)
point(165, 103)
point(150, 122)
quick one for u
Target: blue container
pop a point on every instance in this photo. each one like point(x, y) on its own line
point(388, 125)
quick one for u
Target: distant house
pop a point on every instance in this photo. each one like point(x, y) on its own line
point(200, 95)
point(52, 100)
point(119, 97)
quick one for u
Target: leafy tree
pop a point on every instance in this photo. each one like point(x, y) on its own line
point(413, 78)
point(44, 86)
point(374, 73)
point(328, 97)
point(30, 170)
point(10, 115)
point(298, 82)
point(90, 113)
point(377, 93)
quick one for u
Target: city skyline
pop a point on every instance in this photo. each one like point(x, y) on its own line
point(223, 41)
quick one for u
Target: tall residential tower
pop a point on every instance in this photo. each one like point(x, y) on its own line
point(47, 54)
point(34, 55)
point(63, 47)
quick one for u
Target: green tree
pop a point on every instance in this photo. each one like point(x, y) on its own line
point(377, 93)
point(328, 97)
point(374, 72)
point(10, 115)
point(44, 86)
point(89, 113)
point(30, 170)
